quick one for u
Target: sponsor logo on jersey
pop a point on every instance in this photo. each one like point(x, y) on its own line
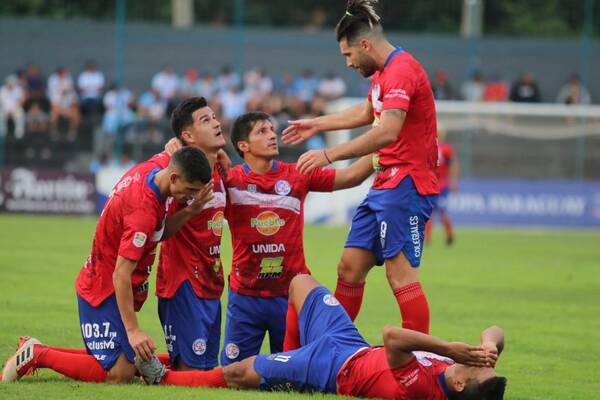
point(267, 223)
point(217, 265)
point(252, 188)
point(330, 300)
point(216, 223)
point(199, 347)
point(139, 239)
point(232, 351)
point(270, 267)
point(214, 250)
point(268, 248)
point(283, 187)
point(375, 161)
point(414, 234)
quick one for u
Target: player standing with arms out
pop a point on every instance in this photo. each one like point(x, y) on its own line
point(448, 172)
point(265, 213)
point(189, 280)
point(388, 226)
point(112, 285)
point(334, 358)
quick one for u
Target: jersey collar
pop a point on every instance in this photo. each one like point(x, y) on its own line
point(398, 50)
point(248, 170)
point(152, 185)
point(443, 384)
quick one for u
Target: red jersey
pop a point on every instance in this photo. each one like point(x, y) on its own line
point(130, 226)
point(445, 157)
point(194, 252)
point(367, 374)
point(266, 218)
point(403, 84)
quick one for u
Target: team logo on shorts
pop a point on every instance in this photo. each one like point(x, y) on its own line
point(283, 187)
point(267, 223)
point(232, 351)
point(139, 239)
point(199, 347)
point(330, 300)
point(216, 224)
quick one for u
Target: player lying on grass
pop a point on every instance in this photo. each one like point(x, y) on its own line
point(334, 358)
point(113, 283)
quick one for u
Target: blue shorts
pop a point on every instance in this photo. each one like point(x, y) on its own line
point(103, 332)
point(389, 221)
point(192, 327)
point(248, 319)
point(442, 201)
point(328, 337)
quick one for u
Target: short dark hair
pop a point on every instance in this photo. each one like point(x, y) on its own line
point(360, 18)
point(243, 126)
point(181, 117)
point(491, 389)
point(192, 164)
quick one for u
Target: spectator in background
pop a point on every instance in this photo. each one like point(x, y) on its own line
point(496, 89)
point(525, 90)
point(441, 86)
point(206, 86)
point(227, 80)
point(331, 86)
point(472, 90)
point(12, 98)
point(91, 85)
point(63, 102)
point(233, 104)
point(306, 86)
point(152, 109)
point(35, 88)
point(189, 84)
point(37, 121)
point(166, 85)
point(573, 92)
point(258, 84)
point(118, 106)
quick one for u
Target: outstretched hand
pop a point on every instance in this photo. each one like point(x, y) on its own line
point(473, 356)
point(298, 131)
point(310, 160)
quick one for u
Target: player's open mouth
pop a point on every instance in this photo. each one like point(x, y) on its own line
point(218, 134)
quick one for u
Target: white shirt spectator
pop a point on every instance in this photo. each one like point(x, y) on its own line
point(233, 103)
point(118, 112)
point(91, 84)
point(227, 80)
point(257, 83)
point(332, 87)
point(206, 87)
point(12, 97)
point(166, 83)
point(58, 83)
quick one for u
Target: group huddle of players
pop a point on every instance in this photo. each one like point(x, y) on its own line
point(181, 198)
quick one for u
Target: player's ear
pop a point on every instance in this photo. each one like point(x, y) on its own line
point(186, 137)
point(458, 384)
point(173, 177)
point(365, 44)
point(243, 146)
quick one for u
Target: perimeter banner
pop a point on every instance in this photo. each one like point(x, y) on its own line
point(28, 190)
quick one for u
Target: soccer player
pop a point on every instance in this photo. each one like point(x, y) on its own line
point(190, 275)
point(388, 226)
point(112, 285)
point(334, 358)
point(265, 213)
point(448, 177)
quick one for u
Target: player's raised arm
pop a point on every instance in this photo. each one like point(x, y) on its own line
point(354, 174)
point(378, 137)
point(174, 222)
point(142, 344)
point(353, 117)
point(400, 343)
point(492, 341)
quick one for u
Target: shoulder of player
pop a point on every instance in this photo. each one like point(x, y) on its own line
point(403, 63)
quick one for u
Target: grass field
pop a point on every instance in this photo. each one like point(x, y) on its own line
point(542, 287)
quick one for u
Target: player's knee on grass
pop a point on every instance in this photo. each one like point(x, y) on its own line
point(400, 272)
point(122, 372)
point(241, 374)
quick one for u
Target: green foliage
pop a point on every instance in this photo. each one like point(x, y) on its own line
point(553, 18)
point(542, 287)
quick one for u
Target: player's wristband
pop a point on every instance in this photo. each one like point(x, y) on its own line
point(327, 158)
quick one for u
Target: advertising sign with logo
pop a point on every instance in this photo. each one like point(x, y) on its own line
point(25, 190)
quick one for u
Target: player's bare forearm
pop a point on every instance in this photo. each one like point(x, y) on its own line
point(353, 117)
point(494, 335)
point(353, 175)
point(175, 222)
point(123, 292)
point(400, 343)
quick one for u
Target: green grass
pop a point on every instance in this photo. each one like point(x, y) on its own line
point(542, 287)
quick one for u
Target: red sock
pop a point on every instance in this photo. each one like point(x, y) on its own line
point(81, 367)
point(213, 378)
point(291, 340)
point(413, 307)
point(350, 296)
point(71, 351)
point(164, 359)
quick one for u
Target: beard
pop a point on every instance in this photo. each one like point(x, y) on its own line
point(367, 69)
